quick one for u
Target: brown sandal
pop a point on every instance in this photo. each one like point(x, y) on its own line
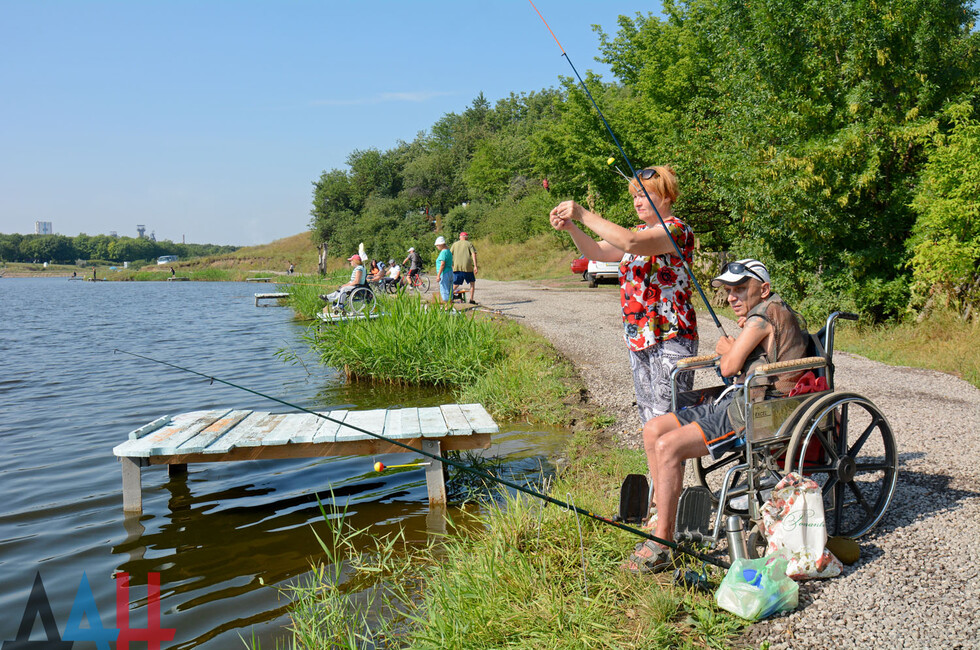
point(648, 557)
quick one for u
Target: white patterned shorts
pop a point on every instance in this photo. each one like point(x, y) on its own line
point(651, 374)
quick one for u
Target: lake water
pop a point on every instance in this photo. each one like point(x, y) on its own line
point(223, 537)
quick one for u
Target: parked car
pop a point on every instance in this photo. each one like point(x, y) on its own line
point(601, 271)
point(593, 271)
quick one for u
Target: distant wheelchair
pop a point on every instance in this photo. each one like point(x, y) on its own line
point(839, 439)
point(358, 302)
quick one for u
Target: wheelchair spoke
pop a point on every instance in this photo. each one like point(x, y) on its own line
point(832, 480)
point(841, 430)
point(828, 447)
point(838, 509)
point(866, 467)
point(860, 497)
point(856, 447)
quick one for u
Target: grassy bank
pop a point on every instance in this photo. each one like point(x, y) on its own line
point(513, 372)
point(943, 342)
point(516, 575)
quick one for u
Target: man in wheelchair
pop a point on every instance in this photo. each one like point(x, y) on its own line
point(770, 332)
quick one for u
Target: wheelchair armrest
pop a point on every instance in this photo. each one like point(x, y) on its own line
point(793, 365)
point(704, 361)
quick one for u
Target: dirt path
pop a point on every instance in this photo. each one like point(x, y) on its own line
point(917, 583)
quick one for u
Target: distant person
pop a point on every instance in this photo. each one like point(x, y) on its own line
point(93, 274)
point(444, 271)
point(393, 276)
point(173, 273)
point(292, 269)
point(74, 274)
point(659, 323)
point(357, 278)
point(414, 261)
point(464, 265)
point(376, 273)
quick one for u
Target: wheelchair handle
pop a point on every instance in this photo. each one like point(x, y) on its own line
point(846, 315)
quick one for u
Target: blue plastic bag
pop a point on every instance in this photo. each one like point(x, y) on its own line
point(756, 589)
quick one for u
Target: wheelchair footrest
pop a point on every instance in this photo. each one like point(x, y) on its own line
point(634, 496)
point(693, 515)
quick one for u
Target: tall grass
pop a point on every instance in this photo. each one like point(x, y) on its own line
point(942, 342)
point(412, 343)
point(514, 579)
point(305, 290)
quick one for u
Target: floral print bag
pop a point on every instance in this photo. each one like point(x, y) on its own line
point(794, 524)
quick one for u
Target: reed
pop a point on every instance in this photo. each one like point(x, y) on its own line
point(414, 343)
point(305, 290)
point(513, 576)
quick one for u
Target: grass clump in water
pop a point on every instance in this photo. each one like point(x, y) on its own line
point(514, 373)
point(412, 343)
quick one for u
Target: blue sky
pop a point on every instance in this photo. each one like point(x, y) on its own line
point(210, 120)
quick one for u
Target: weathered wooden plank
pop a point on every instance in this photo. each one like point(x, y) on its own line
point(410, 423)
point(431, 422)
point(215, 430)
point(165, 440)
point(456, 421)
point(295, 427)
point(147, 428)
point(479, 419)
point(373, 421)
point(259, 430)
point(393, 425)
point(242, 434)
point(328, 429)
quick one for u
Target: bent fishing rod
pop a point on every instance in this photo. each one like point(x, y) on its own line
point(442, 459)
point(635, 174)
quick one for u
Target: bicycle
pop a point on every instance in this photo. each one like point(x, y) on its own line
point(418, 282)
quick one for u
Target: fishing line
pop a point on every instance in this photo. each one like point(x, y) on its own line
point(442, 459)
point(633, 171)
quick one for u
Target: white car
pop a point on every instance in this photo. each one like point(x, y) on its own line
point(601, 271)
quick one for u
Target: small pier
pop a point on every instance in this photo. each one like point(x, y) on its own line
point(258, 279)
point(269, 296)
point(230, 435)
point(342, 318)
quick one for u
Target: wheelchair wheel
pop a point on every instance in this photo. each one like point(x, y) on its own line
point(845, 444)
point(361, 301)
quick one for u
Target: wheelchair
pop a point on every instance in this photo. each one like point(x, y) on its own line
point(837, 438)
point(360, 301)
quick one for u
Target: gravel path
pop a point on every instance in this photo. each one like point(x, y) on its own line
point(917, 584)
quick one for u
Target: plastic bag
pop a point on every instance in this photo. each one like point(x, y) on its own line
point(793, 522)
point(756, 589)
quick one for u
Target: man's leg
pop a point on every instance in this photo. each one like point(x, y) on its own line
point(671, 450)
point(473, 289)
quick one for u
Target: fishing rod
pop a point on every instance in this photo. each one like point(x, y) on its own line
point(634, 173)
point(442, 459)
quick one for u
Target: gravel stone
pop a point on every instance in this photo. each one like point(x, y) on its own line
point(917, 583)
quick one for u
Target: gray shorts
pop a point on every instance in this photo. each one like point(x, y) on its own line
point(651, 374)
point(719, 434)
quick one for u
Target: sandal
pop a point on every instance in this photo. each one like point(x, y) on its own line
point(648, 557)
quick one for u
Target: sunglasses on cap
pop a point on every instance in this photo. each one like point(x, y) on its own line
point(738, 269)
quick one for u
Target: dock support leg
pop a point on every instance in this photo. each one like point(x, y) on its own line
point(132, 487)
point(176, 469)
point(434, 478)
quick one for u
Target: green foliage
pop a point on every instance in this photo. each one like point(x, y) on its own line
point(946, 238)
point(797, 131)
point(60, 249)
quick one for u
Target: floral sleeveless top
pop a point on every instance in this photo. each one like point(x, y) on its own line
point(656, 293)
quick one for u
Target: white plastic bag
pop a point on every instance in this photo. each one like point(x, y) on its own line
point(755, 589)
point(793, 521)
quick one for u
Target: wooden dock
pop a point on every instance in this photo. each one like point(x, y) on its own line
point(269, 296)
point(258, 279)
point(229, 435)
point(343, 318)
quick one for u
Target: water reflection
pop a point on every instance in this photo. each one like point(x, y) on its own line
point(224, 536)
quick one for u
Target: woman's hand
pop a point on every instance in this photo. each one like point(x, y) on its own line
point(565, 213)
